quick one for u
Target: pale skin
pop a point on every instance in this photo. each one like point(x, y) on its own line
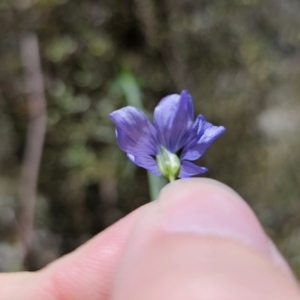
point(197, 241)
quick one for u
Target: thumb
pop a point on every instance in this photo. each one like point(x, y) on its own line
point(201, 241)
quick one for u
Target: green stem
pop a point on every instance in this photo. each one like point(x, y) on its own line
point(171, 178)
point(155, 185)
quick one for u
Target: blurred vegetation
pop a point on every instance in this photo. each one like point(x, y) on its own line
point(238, 58)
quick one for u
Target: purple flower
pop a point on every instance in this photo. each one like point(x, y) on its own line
point(167, 146)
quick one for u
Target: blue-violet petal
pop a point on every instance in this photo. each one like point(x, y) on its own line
point(208, 134)
point(195, 131)
point(135, 133)
point(173, 117)
point(146, 162)
point(189, 169)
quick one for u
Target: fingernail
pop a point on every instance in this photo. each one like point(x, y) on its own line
point(205, 207)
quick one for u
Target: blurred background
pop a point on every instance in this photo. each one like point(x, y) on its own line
point(66, 64)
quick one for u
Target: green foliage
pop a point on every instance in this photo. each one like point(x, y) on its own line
point(60, 49)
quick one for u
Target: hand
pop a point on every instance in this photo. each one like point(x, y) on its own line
point(198, 241)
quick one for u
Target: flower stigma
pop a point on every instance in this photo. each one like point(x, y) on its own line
point(168, 163)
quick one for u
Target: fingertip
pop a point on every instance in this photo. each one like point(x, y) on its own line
point(207, 196)
point(192, 186)
point(206, 206)
point(200, 240)
point(190, 267)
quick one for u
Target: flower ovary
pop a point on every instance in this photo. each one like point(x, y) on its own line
point(168, 164)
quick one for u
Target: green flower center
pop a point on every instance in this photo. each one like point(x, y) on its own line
point(168, 163)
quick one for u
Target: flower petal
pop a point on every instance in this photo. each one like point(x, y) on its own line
point(207, 133)
point(146, 162)
point(189, 169)
point(195, 131)
point(173, 117)
point(135, 133)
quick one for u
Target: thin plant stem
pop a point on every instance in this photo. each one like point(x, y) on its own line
point(36, 103)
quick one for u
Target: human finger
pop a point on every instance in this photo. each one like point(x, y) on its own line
point(85, 273)
point(200, 240)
